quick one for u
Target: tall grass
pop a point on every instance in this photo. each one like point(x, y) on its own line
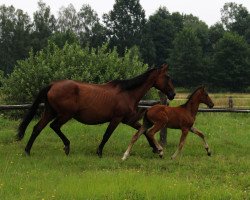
point(49, 174)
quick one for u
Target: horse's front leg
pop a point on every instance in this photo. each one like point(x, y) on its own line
point(111, 127)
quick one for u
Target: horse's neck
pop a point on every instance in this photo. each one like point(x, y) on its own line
point(141, 90)
point(193, 105)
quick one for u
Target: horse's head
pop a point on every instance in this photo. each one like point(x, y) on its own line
point(204, 98)
point(164, 82)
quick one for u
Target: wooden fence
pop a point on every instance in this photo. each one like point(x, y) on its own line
point(146, 104)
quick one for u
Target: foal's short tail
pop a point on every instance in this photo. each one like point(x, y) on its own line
point(41, 97)
point(146, 121)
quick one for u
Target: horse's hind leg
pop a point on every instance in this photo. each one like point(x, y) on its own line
point(46, 118)
point(201, 135)
point(56, 126)
point(135, 137)
point(157, 126)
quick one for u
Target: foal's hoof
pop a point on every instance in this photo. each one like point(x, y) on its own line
point(209, 153)
point(66, 149)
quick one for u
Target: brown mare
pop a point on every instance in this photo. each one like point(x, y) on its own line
point(181, 117)
point(113, 102)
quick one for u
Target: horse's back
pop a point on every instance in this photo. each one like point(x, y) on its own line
point(88, 103)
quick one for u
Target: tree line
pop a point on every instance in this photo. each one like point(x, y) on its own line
point(218, 56)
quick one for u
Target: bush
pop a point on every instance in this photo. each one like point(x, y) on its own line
point(70, 62)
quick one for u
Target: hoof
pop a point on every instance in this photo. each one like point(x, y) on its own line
point(27, 153)
point(66, 149)
point(19, 137)
point(99, 153)
point(161, 153)
point(155, 151)
point(209, 153)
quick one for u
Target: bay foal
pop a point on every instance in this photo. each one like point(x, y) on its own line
point(181, 117)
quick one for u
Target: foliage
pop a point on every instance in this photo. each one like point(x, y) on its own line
point(158, 36)
point(44, 26)
point(14, 37)
point(186, 59)
point(236, 18)
point(71, 62)
point(232, 62)
point(125, 24)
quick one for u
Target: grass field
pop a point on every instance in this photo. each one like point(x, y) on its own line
point(49, 174)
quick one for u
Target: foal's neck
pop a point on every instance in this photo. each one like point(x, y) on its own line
point(192, 104)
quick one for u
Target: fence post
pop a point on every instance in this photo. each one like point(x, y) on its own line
point(230, 102)
point(163, 132)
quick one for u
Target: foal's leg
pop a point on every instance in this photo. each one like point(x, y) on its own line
point(111, 127)
point(201, 135)
point(157, 126)
point(181, 143)
point(46, 118)
point(137, 126)
point(135, 137)
point(56, 126)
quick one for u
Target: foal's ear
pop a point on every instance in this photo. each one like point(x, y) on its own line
point(164, 67)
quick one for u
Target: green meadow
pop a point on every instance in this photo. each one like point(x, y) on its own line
point(49, 174)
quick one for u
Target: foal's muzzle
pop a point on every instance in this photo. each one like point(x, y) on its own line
point(171, 95)
point(211, 105)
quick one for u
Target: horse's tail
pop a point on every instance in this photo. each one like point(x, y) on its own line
point(41, 97)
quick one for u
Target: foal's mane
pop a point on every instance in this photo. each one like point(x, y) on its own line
point(132, 83)
point(190, 96)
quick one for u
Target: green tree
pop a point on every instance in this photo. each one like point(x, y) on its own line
point(236, 18)
point(91, 32)
point(232, 62)
point(159, 34)
point(15, 27)
point(61, 38)
point(67, 19)
point(125, 24)
point(186, 59)
point(44, 24)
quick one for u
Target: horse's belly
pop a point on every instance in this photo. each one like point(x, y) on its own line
point(92, 117)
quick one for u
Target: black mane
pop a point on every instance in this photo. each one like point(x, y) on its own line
point(132, 83)
point(190, 96)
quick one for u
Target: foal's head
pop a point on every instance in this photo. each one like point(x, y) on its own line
point(204, 98)
point(164, 82)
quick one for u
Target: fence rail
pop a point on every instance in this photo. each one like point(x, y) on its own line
point(142, 104)
point(147, 104)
